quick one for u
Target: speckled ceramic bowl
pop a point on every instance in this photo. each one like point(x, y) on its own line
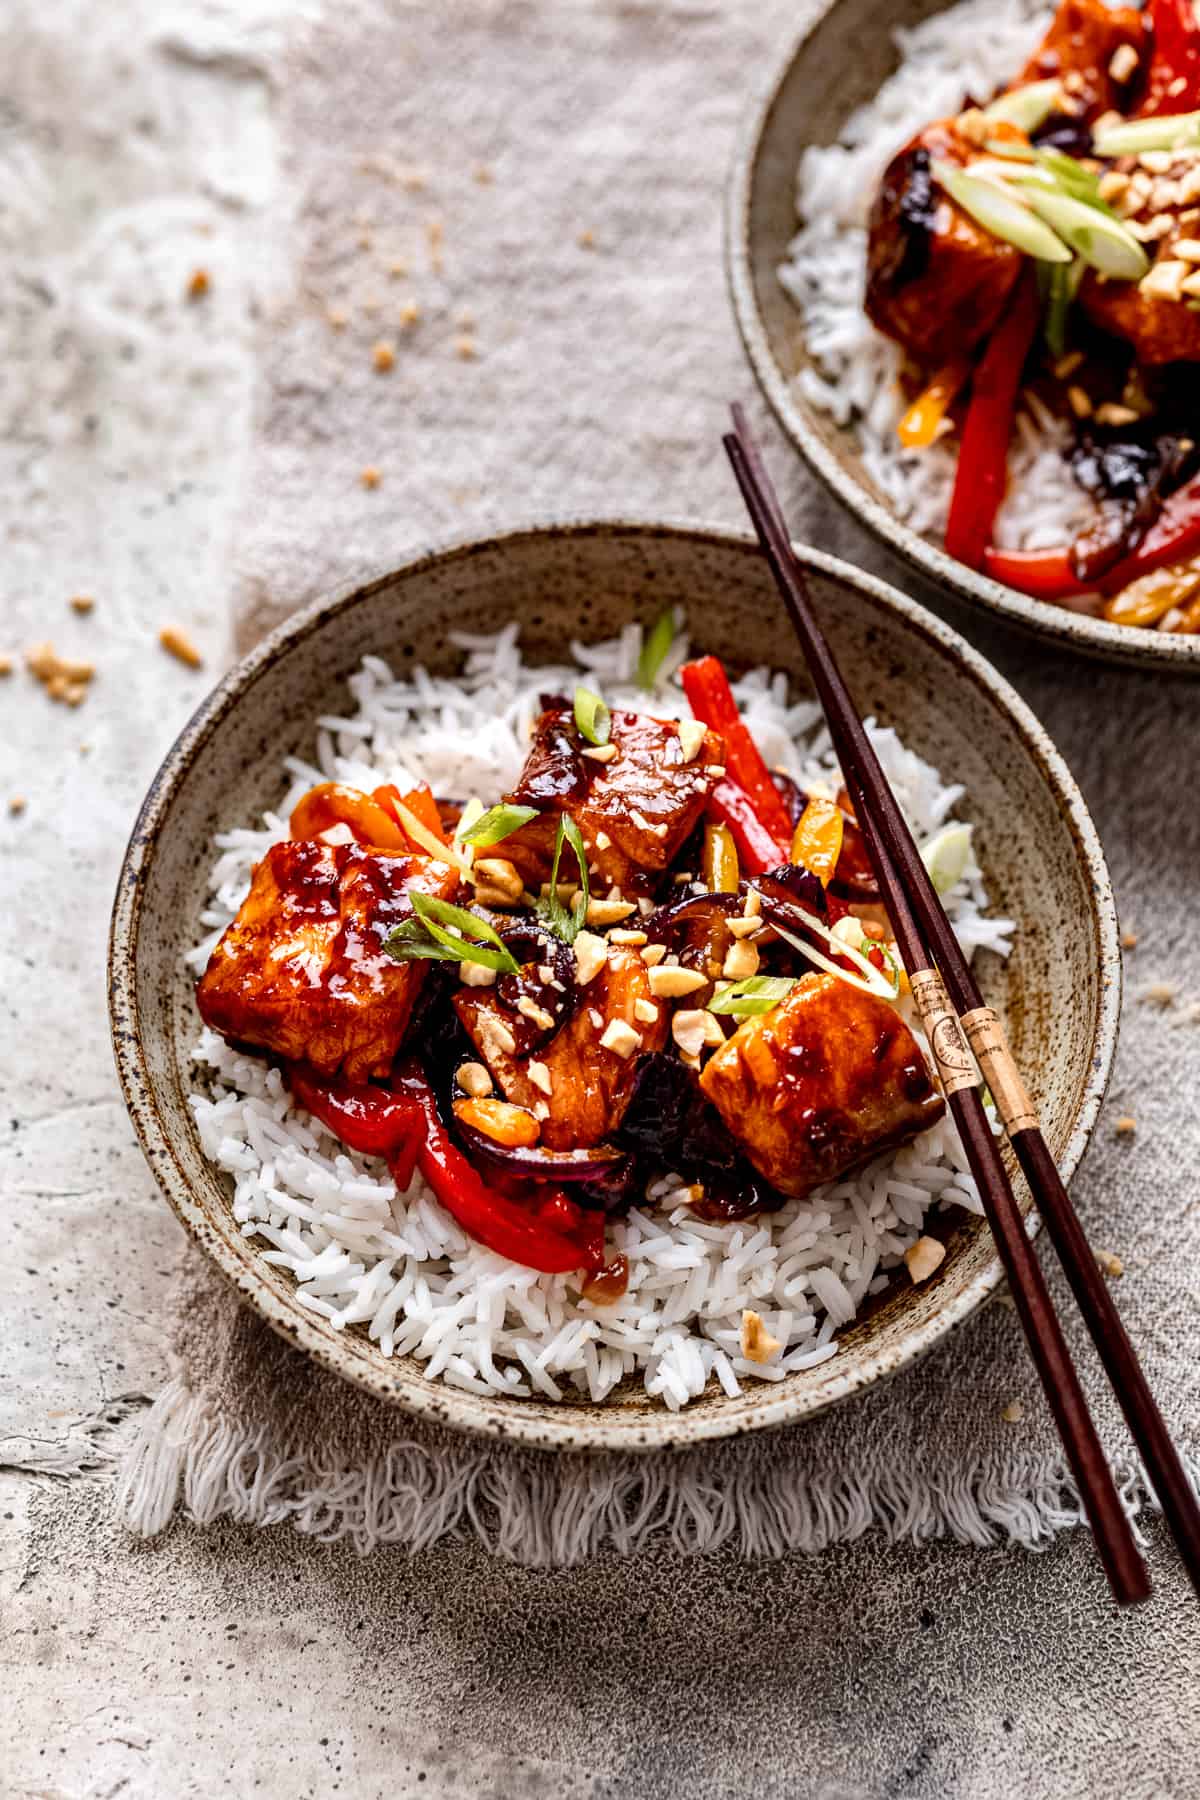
point(839, 61)
point(1060, 991)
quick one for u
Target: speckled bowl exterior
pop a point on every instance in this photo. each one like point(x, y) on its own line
point(840, 59)
point(1060, 990)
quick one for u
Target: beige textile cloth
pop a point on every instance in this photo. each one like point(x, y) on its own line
point(522, 203)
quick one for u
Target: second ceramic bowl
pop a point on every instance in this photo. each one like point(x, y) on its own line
point(839, 62)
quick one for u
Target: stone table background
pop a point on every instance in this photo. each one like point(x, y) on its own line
point(137, 144)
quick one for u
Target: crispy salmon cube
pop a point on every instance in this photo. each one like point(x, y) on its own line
point(826, 1080)
point(634, 808)
point(302, 971)
point(580, 1082)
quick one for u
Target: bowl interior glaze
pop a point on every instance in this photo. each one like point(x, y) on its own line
point(837, 64)
point(1059, 991)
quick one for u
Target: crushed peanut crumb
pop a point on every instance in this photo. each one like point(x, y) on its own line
point(383, 356)
point(435, 233)
point(587, 240)
point(17, 804)
point(397, 267)
point(410, 312)
point(757, 1344)
point(81, 603)
point(483, 175)
point(64, 680)
point(336, 317)
point(1159, 993)
point(1110, 1264)
point(924, 1257)
point(199, 284)
point(179, 645)
point(1129, 940)
point(1126, 1125)
point(370, 476)
point(465, 349)
point(1013, 1413)
point(6, 665)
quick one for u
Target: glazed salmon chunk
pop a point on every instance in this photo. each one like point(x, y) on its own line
point(302, 971)
point(635, 799)
point(579, 1083)
point(826, 1080)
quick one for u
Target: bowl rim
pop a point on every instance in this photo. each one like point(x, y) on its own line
point(485, 1415)
point(1072, 631)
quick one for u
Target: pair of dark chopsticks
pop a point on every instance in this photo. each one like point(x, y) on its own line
point(957, 1022)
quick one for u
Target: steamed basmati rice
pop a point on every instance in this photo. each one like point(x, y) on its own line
point(397, 1264)
point(971, 48)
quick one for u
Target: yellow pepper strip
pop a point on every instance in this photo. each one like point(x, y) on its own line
point(817, 840)
point(919, 426)
point(719, 861)
point(1145, 601)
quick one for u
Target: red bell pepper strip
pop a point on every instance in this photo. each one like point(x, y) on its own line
point(1050, 574)
point(982, 471)
point(420, 802)
point(366, 1118)
point(1173, 84)
point(757, 848)
point(707, 687)
point(485, 1215)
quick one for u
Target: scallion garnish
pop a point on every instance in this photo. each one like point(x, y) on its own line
point(592, 716)
point(440, 932)
point(655, 648)
point(946, 855)
point(1026, 107)
point(565, 922)
point(1101, 240)
point(868, 978)
point(497, 823)
point(1007, 216)
point(756, 994)
point(1175, 131)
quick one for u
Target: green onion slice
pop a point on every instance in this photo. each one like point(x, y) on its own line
point(1073, 179)
point(756, 994)
point(564, 922)
point(497, 823)
point(655, 648)
point(1102, 241)
point(1001, 213)
point(440, 932)
point(1026, 107)
point(592, 716)
point(1178, 131)
point(946, 855)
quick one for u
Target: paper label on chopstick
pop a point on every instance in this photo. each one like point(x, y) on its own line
point(951, 1051)
point(987, 1039)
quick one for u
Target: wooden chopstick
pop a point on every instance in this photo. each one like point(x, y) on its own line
point(885, 832)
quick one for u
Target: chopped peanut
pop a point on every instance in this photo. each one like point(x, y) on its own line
point(81, 603)
point(741, 960)
point(1129, 940)
point(64, 680)
point(757, 1344)
point(633, 938)
point(474, 1079)
point(609, 912)
point(646, 1012)
point(1013, 1413)
point(672, 983)
point(199, 284)
point(179, 645)
point(496, 876)
point(1126, 1125)
point(370, 476)
point(924, 1257)
point(540, 1076)
point(384, 356)
point(1110, 1264)
point(621, 1038)
point(17, 804)
point(692, 733)
point(591, 954)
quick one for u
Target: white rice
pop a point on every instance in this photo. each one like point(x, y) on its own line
point(972, 48)
point(397, 1264)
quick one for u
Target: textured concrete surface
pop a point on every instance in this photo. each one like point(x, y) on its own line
point(138, 147)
